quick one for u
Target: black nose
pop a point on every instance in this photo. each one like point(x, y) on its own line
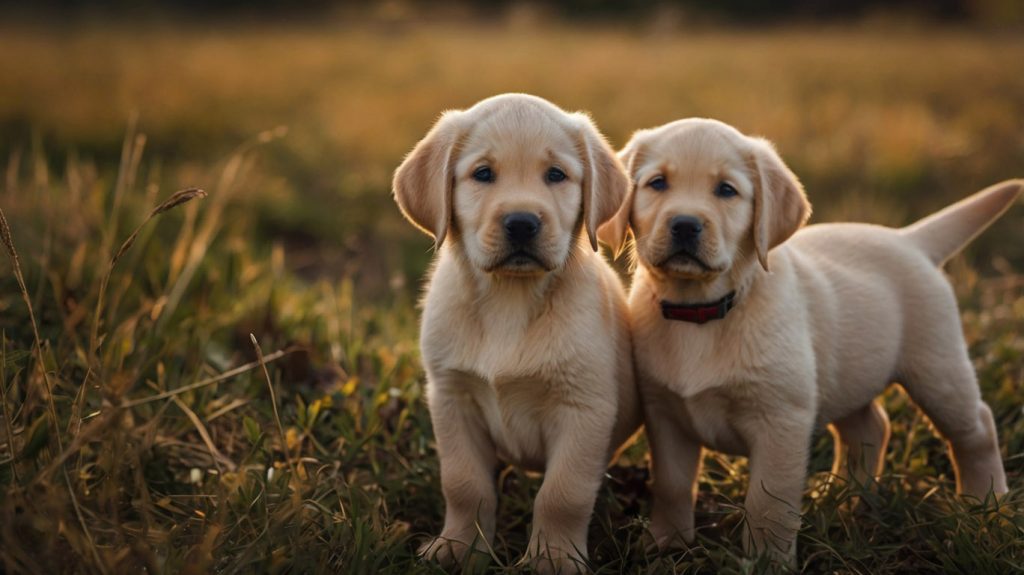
point(685, 229)
point(521, 227)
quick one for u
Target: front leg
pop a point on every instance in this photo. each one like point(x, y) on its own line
point(778, 471)
point(675, 466)
point(468, 462)
point(576, 463)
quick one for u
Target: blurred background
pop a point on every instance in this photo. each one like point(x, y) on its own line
point(885, 109)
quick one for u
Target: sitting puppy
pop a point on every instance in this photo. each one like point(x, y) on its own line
point(749, 362)
point(525, 335)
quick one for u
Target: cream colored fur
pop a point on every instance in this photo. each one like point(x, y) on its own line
point(527, 363)
point(846, 310)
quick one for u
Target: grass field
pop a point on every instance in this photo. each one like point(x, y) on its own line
point(140, 433)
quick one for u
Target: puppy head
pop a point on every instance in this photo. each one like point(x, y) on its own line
point(514, 180)
point(703, 197)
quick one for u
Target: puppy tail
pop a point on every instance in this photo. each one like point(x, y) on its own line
point(943, 234)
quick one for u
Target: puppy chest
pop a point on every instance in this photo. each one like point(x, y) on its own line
point(503, 350)
point(709, 418)
point(515, 413)
point(713, 421)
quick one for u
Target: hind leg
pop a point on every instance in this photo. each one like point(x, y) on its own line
point(946, 389)
point(860, 442)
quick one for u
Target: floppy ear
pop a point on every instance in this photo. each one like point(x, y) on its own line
point(604, 181)
point(615, 232)
point(424, 182)
point(780, 205)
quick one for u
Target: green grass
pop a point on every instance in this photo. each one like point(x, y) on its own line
point(142, 457)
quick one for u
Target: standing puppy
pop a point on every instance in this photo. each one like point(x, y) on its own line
point(749, 362)
point(524, 337)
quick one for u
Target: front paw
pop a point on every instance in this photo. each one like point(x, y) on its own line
point(445, 551)
point(450, 551)
point(770, 554)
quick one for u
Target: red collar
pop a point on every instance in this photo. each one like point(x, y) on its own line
point(699, 313)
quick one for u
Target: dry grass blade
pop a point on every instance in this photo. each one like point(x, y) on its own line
point(7, 411)
point(226, 375)
point(233, 405)
point(176, 199)
point(5, 236)
point(273, 403)
point(215, 453)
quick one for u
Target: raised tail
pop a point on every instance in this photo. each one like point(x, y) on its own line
point(943, 234)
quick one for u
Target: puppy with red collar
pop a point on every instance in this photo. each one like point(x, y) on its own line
point(750, 332)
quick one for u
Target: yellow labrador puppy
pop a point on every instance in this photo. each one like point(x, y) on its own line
point(525, 336)
point(749, 361)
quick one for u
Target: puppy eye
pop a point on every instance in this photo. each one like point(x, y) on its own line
point(554, 176)
point(658, 183)
point(483, 174)
point(725, 190)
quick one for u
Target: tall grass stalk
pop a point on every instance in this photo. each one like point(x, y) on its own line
point(176, 199)
point(8, 425)
point(273, 402)
point(8, 241)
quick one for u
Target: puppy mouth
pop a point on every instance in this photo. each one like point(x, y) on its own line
point(520, 262)
point(685, 259)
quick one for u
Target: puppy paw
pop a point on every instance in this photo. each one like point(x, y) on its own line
point(445, 551)
point(450, 552)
